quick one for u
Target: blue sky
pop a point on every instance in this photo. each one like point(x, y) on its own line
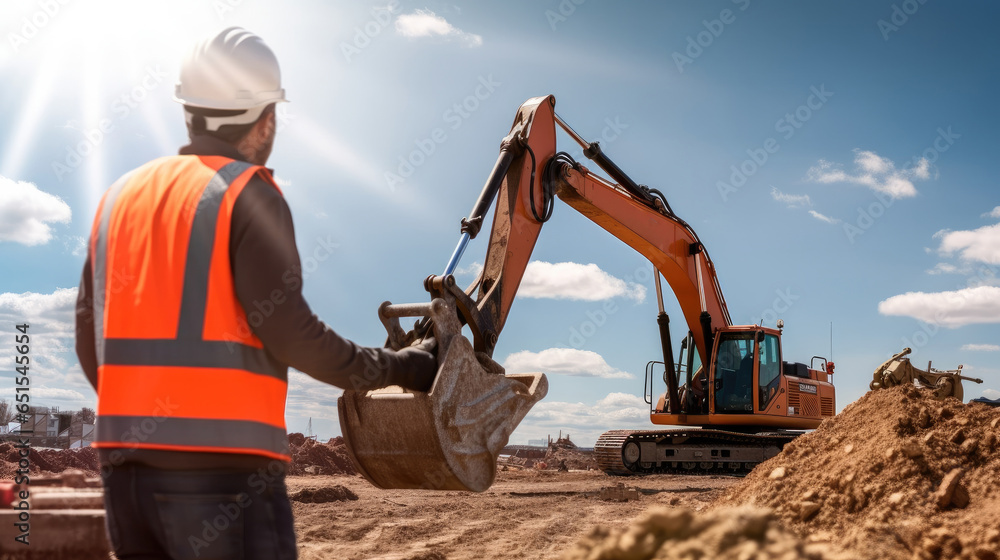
point(835, 159)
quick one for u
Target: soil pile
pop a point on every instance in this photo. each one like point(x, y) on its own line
point(563, 454)
point(897, 474)
point(312, 457)
point(323, 495)
point(676, 534)
point(48, 461)
point(572, 458)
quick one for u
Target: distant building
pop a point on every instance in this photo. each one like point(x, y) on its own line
point(538, 442)
point(59, 429)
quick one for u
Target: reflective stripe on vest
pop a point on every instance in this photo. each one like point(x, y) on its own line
point(184, 391)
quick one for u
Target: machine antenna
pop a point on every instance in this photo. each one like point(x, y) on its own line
point(831, 341)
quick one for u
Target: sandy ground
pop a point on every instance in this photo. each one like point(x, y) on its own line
point(526, 514)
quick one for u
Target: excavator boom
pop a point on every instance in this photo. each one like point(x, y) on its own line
point(523, 189)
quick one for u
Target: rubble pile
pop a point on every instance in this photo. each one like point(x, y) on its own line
point(308, 457)
point(312, 457)
point(48, 461)
point(563, 454)
point(897, 474)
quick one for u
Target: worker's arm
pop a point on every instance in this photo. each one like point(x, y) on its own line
point(268, 278)
point(86, 350)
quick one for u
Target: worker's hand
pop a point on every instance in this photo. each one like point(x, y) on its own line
point(418, 366)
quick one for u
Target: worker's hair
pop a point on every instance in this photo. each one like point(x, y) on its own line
point(228, 133)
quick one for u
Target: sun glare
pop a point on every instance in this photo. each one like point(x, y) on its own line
point(95, 63)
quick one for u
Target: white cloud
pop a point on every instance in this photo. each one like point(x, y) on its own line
point(565, 361)
point(76, 245)
point(981, 244)
point(568, 280)
point(823, 218)
point(472, 270)
point(967, 306)
point(425, 23)
point(792, 200)
point(981, 347)
point(944, 268)
point(310, 398)
point(991, 394)
point(29, 305)
point(50, 393)
point(56, 377)
point(995, 213)
point(583, 422)
point(26, 211)
point(875, 172)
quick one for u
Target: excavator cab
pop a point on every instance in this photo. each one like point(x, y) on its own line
point(746, 384)
point(747, 371)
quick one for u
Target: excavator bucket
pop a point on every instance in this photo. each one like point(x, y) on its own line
point(450, 437)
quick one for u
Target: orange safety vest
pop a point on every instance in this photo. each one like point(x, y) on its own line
point(178, 366)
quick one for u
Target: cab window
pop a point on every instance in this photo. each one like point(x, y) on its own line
point(769, 370)
point(734, 373)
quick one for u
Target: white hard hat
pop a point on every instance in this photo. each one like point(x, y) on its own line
point(233, 71)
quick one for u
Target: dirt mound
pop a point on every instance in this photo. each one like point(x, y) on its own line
point(572, 458)
point(311, 457)
point(895, 475)
point(676, 534)
point(323, 495)
point(48, 461)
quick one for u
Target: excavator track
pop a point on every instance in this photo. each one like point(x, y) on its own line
point(686, 450)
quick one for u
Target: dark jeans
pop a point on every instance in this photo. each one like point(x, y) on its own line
point(204, 514)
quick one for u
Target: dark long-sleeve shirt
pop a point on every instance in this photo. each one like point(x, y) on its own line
point(268, 279)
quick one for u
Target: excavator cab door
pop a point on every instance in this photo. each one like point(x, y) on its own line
point(733, 372)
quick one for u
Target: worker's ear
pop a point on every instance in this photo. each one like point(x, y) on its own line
point(256, 145)
point(265, 126)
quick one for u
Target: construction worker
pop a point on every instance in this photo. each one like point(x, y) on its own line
point(190, 313)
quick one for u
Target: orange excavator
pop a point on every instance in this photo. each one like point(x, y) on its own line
point(733, 410)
